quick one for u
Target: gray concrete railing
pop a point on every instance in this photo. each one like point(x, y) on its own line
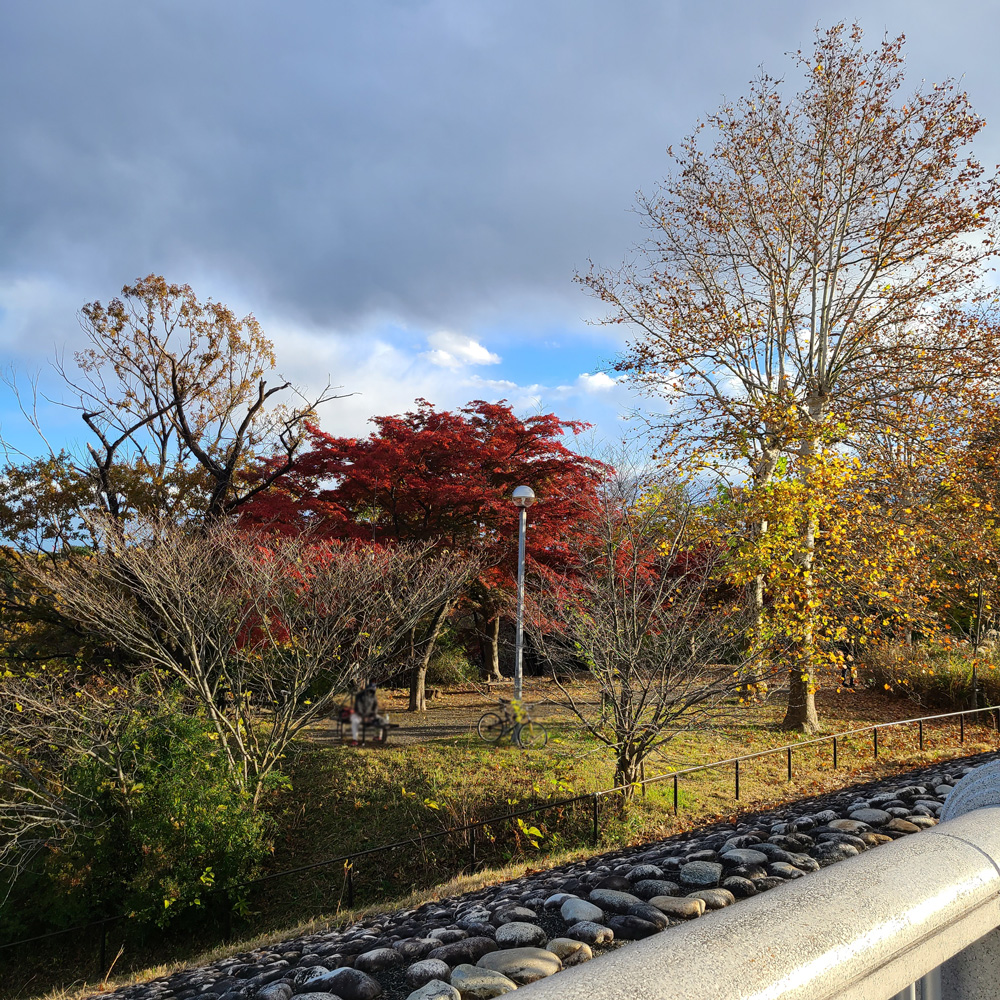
point(914, 919)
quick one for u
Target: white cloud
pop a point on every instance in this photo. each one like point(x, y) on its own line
point(598, 382)
point(455, 350)
point(522, 398)
point(385, 372)
point(382, 377)
point(383, 367)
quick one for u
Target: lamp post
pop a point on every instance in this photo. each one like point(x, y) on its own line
point(523, 497)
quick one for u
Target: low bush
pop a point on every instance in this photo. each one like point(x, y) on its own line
point(937, 677)
point(159, 830)
point(449, 668)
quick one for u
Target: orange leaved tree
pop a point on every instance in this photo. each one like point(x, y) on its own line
point(180, 404)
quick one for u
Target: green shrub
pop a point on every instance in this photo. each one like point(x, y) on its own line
point(450, 667)
point(154, 841)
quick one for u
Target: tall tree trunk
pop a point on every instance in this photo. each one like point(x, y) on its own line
point(763, 473)
point(418, 688)
point(493, 643)
point(979, 642)
point(800, 713)
point(477, 627)
point(758, 650)
point(418, 676)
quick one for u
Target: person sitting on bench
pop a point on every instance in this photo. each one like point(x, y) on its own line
point(365, 710)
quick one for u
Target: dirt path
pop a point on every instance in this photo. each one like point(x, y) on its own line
point(451, 714)
point(455, 712)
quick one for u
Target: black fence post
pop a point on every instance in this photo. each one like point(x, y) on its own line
point(229, 905)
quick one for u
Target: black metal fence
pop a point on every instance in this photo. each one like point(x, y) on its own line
point(473, 831)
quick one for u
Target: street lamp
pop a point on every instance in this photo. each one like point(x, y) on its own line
point(523, 497)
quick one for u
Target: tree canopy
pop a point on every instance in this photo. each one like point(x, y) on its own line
point(178, 406)
point(813, 274)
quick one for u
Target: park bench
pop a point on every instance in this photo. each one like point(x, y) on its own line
point(378, 727)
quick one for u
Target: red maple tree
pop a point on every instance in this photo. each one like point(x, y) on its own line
point(446, 477)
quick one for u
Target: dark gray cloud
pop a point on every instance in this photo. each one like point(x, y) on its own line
point(441, 163)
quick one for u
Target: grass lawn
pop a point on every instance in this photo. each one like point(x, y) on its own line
point(440, 775)
point(347, 798)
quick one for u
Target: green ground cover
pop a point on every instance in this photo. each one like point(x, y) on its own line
point(365, 797)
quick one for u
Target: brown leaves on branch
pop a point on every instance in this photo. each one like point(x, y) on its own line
point(812, 255)
point(178, 404)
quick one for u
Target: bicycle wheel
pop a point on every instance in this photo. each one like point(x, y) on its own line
point(490, 727)
point(531, 736)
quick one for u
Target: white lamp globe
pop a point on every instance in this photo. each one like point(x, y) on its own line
point(523, 496)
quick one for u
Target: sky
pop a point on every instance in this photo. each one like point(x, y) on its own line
point(401, 191)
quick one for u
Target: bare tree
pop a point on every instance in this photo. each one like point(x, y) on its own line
point(640, 618)
point(264, 634)
point(50, 725)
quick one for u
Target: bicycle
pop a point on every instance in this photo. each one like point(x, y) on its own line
point(525, 732)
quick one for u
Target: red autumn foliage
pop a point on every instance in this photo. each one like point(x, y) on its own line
point(444, 477)
point(441, 476)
